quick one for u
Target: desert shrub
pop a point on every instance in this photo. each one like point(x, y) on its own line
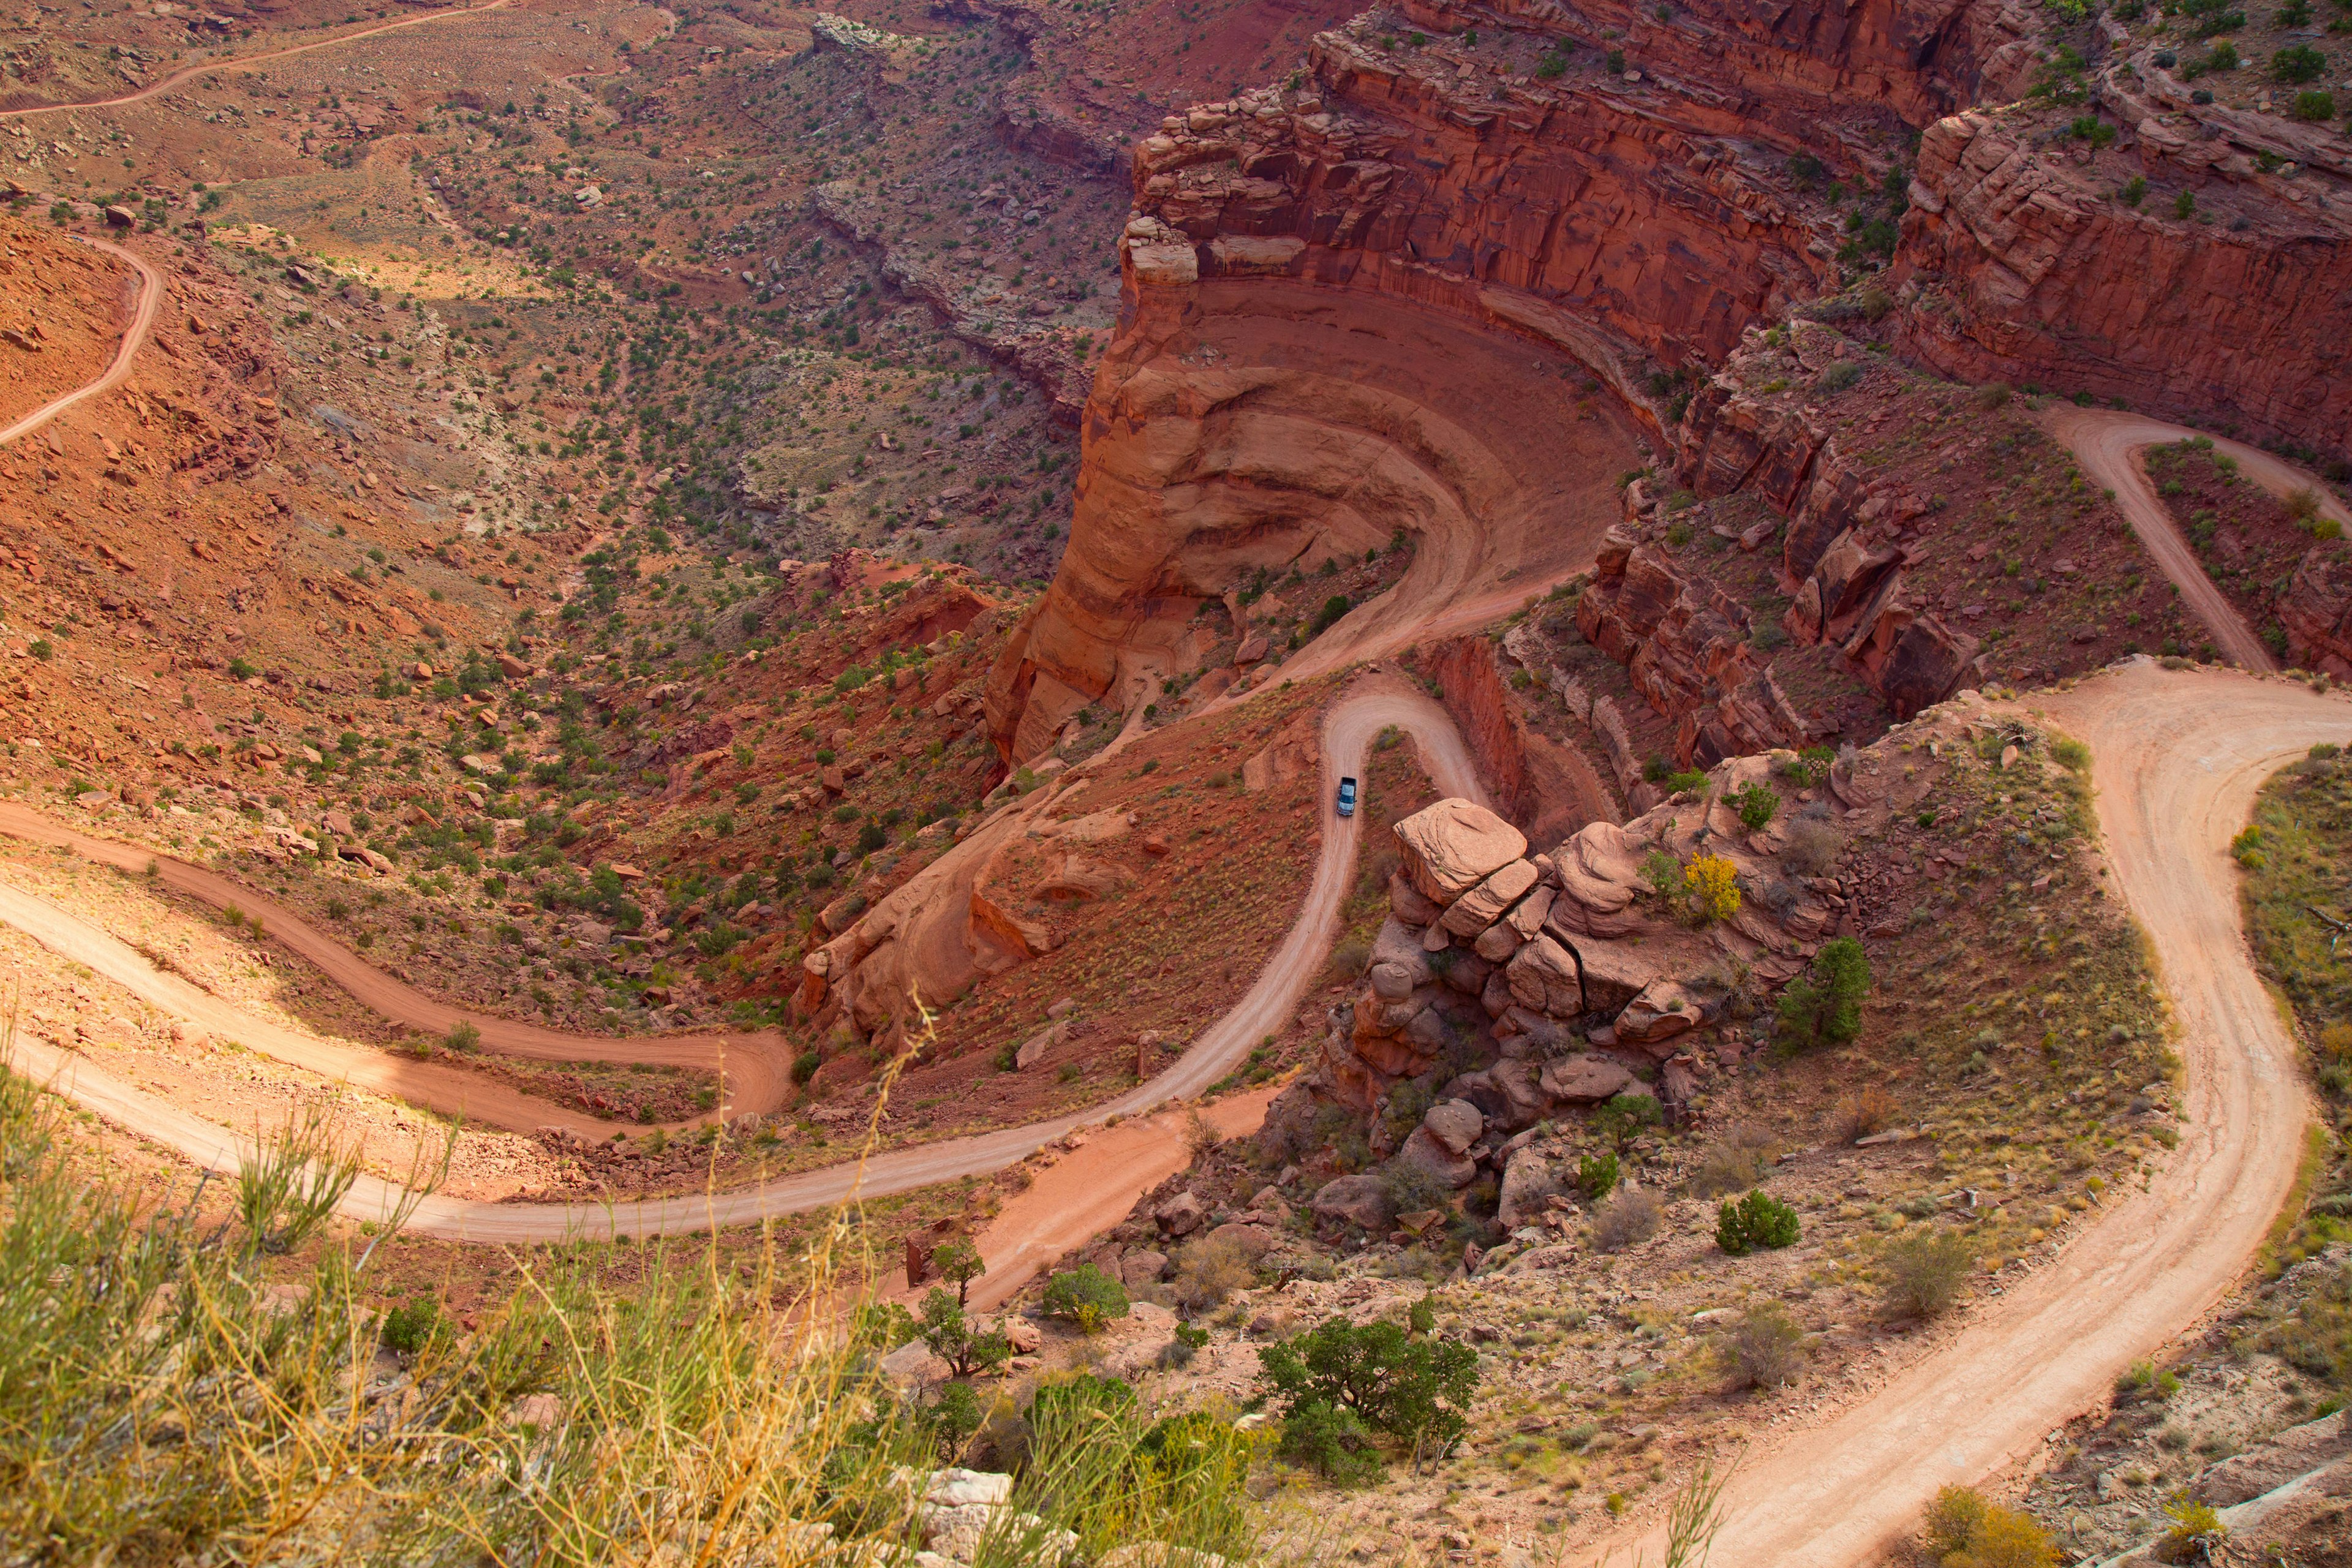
point(1351, 958)
point(1210, 1270)
point(1627, 1116)
point(2298, 63)
point(1627, 1216)
point(1823, 1005)
point(1924, 1271)
point(1333, 1440)
point(1757, 1222)
point(1086, 1297)
point(1963, 1530)
point(1726, 1168)
point(1813, 848)
point(2071, 753)
point(463, 1037)
point(2314, 107)
point(1410, 1188)
point(1596, 1175)
point(1839, 376)
point(1993, 394)
point(1767, 1348)
point(408, 1328)
point(1866, 1111)
point(1714, 883)
point(2196, 1529)
point(1414, 1389)
point(1757, 802)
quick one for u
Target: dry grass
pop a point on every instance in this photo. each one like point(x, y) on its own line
point(1627, 1216)
point(168, 1393)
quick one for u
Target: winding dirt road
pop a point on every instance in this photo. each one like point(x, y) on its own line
point(1118, 1163)
point(135, 337)
point(2178, 757)
point(246, 62)
point(2108, 443)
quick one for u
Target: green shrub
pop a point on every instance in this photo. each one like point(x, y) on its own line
point(1757, 802)
point(2298, 63)
point(1824, 1003)
point(2135, 190)
point(1759, 1221)
point(1414, 1389)
point(1627, 1116)
point(463, 1037)
point(1596, 1176)
point(1838, 376)
point(408, 1328)
point(2313, 108)
point(1963, 1530)
point(1086, 1297)
point(1334, 1440)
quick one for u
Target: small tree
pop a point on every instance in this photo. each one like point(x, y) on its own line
point(1760, 1220)
point(1414, 1389)
point(958, 1262)
point(1824, 1003)
point(967, 1348)
point(1627, 1116)
point(1086, 1297)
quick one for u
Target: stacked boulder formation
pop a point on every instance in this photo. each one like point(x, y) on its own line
point(1544, 983)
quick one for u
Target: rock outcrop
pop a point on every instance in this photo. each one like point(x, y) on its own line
point(1485, 941)
point(2033, 271)
point(2316, 610)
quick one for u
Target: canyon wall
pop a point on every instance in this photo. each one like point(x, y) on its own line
point(2033, 270)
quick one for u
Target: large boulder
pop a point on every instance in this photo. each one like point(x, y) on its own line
point(1587, 1079)
point(1662, 1010)
point(1528, 1181)
point(1496, 943)
point(1400, 944)
point(1358, 1200)
point(1522, 1090)
point(1452, 846)
point(1613, 972)
point(1391, 982)
point(1543, 979)
point(1409, 904)
point(1455, 1123)
point(1450, 1168)
point(1483, 905)
point(1142, 1266)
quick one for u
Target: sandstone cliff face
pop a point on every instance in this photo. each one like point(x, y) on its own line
point(1351, 302)
point(2317, 611)
point(2032, 270)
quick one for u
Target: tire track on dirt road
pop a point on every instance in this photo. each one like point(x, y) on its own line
point(2178, 758)
point(1102, 1177)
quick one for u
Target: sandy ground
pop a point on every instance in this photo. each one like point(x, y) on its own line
point(2178, 757)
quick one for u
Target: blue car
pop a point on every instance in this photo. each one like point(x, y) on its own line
point(1347, 797)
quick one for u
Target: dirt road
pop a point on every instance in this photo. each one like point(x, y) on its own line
point(1125, 1160)
point(142, 321)
point(2108, 443)
point(752, 1064)
point(246, 62)
point(2178, 757)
